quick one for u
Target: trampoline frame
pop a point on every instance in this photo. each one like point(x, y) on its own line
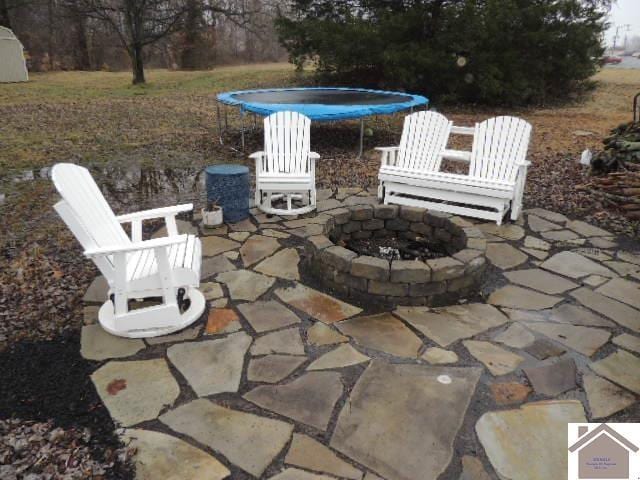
point(226, 99)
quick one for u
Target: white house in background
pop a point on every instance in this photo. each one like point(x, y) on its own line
point(13, 67)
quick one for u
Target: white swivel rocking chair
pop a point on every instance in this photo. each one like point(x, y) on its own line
point(286, 169)
point(167, 267)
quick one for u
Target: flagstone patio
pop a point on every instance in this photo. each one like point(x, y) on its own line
point(280, 380)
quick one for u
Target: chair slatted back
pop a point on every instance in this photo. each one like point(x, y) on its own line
point(89, 207)
point(424, 138)
point(287, 143)
point(498, 145)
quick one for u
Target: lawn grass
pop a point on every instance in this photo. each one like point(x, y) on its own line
point(100, 116)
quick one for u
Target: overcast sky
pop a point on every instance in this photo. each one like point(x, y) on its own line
point(624, 12)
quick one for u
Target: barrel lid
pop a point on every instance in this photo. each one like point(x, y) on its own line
point(227, 169)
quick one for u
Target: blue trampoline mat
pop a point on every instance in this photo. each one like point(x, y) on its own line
point(323, 103)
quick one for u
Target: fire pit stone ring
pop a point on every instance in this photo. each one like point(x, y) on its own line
point(434, 282)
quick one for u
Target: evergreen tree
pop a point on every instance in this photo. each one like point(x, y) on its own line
point(490, 51)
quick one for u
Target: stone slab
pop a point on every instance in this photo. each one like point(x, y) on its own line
point(616, 311)
point(543, 349)
point(379, 426)
point(515, 336)
point(382, 332)
point(343, 356)
point(539, 428)
point(604, 397)
point(283, 341)
point(321, 334)
point(316, 304)
point(513, 296)
point(497, 360)
point(212, 366)
point(305, 452)
point(439, 356)
point(96, 344)
point(308, 399)
point(563, 236)
point(211, 290)
point(504, 256)
point(574, 265)
point(509, 393)
point(222, 320)
point(257, 248)
point(239, 236)
point(540, 280)
point(249, 441)
point(190, 333)
point(622, 290)
point(135, 391)
point(472, 469)
point(161, 456)
point(575, 315)
point(283, 264)
point(537, 243)
point(584, 340)
point(273, 368)
point(243, 226)
point(538, 224)
point(270, 232)
point(215, 245)
point(554, 377)
point(587, 230)
point(548, 215)
point(213, 266)
point(447, 325)
point(97, 291)
point(620, 367)
point(297, 474)
point(508, 231)
point(269, 315)
point(628, 342)
point(245, 284)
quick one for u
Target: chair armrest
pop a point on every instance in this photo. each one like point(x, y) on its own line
point(525, 163)
point(458, 155)
point(135, 246)
point(387, 149)
point(155, 213)
point(314, 155)
point(257, 155)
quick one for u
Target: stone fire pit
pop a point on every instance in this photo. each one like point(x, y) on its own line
point(437, 281)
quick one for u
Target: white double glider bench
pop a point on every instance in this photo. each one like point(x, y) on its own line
point(410, 173)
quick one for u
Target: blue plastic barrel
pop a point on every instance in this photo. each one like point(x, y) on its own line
point(228, 186)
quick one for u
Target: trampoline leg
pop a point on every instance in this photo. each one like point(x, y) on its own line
point(219, 123)
point(242, 127)
point(361, 137)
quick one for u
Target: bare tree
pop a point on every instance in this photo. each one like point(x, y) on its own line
point(137, 23)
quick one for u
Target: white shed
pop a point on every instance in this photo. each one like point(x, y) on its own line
point(13, 67)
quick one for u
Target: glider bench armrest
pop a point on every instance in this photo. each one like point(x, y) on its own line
point(261, 154)
point(155, 213)
point(136, 246)
point(387, 149)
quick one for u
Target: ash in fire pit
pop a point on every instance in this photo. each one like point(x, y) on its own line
point(394, 248)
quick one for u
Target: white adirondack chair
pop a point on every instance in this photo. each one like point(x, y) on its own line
point(167, 267)
point(495, 182)
point(424, 138)
point(286, 169)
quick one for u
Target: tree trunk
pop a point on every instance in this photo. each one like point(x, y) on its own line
point(5, 20)
point(189, 55)
point(137, 64)
point(82, 50)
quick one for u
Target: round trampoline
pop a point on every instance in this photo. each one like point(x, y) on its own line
point(320, 103)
